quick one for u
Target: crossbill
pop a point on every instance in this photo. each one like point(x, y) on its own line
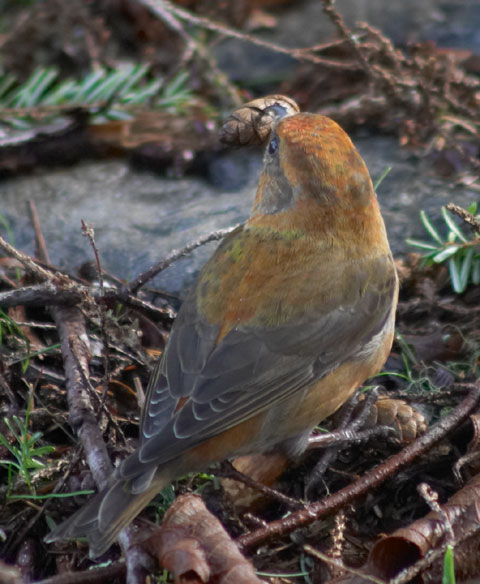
point(294, 310)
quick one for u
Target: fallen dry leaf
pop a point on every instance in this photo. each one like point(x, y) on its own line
point(193, 545)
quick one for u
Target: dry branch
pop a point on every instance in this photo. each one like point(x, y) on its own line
point(368, 481)
point(400, 556)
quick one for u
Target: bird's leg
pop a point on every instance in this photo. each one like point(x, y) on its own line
point(346, 433)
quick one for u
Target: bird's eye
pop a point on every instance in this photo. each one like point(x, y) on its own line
point(273, 146)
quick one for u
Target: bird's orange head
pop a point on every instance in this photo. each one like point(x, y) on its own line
point(310, 157)
point(315, 181)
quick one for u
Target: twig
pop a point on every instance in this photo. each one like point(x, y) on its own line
point(175, 255)
point(45, 294)
point(27, 261)
point(76, 355)
point(228, 471)
point(337, 535)
point(94, 576)
point(466, 216)
point(52, 295)
point(101, 402)
point(41, 246)
point(48, 294)
point(376, 74)
point(347, 35)
point(173, 24)
point(339, 564)
point(216, 77)
point(36, 324)
point(430, 496)
point(301, 54)
point(87, 231)
point(12, 398)
point(368, 481)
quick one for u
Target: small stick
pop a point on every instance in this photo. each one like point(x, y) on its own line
point(466, 216)
point(228, 471)
point(26, 260)
point(369, 480)
point(159, 6)
point(40, 244)
point(175, 255)
point(96, 576)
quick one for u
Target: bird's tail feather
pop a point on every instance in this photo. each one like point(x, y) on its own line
point(101, 519)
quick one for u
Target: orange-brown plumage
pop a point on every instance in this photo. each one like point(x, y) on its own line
point(291, 314)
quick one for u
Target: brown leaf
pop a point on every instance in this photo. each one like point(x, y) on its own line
point(193, 545)
point(475, 441)
point(404, 547)
point(263, 468)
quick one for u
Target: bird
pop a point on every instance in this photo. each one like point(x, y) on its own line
point(292, 313)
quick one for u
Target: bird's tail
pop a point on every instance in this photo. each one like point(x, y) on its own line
point(101, 519)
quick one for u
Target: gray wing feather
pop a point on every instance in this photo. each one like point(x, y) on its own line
point(246, 372)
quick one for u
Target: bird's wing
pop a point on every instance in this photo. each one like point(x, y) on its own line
point(201, 388)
